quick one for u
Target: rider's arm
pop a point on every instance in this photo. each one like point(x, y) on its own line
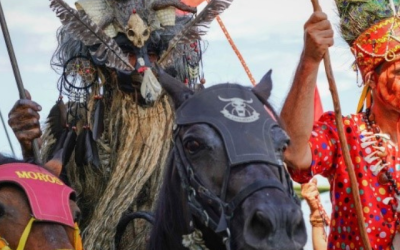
point(297, 113)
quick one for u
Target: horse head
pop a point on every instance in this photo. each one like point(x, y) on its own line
point(233, 190)
point(36, 209)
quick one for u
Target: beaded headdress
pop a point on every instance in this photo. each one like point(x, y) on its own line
point(372, 29)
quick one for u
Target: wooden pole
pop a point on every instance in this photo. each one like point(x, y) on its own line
point(343, 142)
point(17, 75)
point(8, 137)
point(235, 49)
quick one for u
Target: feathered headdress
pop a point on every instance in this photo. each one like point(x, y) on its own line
point(372, 29)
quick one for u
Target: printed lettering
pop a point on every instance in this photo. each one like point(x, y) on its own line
point(22, 175)
point(38, 176)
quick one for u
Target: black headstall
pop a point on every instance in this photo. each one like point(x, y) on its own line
point(199, 195)
point(238, 116)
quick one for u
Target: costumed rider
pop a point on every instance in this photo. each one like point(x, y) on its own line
point(114, 131)
point(372, 29)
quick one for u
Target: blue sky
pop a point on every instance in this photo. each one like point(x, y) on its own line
point(268, 36)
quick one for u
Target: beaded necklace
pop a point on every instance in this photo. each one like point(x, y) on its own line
point(381, 168)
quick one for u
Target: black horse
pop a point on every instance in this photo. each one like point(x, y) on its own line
point(225, 185)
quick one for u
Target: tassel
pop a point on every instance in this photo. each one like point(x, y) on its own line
point(91, 152)
point(98, 123)
point(363, 96)
point(80, 148)
point(69, 145)
point(57, 125)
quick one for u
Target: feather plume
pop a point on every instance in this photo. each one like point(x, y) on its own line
point(84, 29)
point(57, 118)
point(195, 29)
point(56, 123)
point(356, 16)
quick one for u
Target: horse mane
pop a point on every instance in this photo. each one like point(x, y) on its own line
point(170, 217)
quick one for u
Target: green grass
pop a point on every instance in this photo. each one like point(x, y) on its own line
point(322, 189)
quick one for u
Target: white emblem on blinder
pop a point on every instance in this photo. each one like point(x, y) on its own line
point(239, 110)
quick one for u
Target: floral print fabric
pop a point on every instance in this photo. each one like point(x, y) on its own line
point(376, 199)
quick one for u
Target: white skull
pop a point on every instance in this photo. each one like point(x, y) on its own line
point(137, 30)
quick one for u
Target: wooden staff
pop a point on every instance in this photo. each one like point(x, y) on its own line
point(343, 142)
point(235, 49)
point(17, 75)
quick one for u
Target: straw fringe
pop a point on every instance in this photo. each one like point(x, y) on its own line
point(140, 154)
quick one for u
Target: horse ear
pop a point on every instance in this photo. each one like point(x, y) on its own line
point(54, 165)
point(264, 87)
point(175, 88)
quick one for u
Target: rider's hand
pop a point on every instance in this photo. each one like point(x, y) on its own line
point(318, 36)
point(310, 193)
point(24, 121)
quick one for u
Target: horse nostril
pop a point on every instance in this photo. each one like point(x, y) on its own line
point(257, 229)
point(298, 232)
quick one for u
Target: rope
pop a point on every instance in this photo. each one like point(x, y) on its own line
point(235, 49)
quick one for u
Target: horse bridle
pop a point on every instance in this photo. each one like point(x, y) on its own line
point(198, 194)
point(25, 234)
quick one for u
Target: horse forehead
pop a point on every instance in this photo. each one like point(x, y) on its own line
point(246, 133)
point(48, 197)
point(12, 194)
point(200, 130)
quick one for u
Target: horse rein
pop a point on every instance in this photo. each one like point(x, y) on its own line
point(24, 238)
point(195, 189)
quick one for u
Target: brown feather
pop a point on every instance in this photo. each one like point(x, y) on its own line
point(85, 30)
point(195, 29)
point(57, 118)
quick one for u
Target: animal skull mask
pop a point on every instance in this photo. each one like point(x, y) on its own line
point(137, 30)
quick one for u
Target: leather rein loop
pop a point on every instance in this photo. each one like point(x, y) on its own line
point(199, 195)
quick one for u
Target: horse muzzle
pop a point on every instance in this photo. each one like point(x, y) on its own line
point(274, 227)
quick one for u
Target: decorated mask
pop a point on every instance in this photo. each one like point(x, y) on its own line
point(137, 30)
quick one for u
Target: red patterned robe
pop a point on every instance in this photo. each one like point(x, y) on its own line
point(377, 200)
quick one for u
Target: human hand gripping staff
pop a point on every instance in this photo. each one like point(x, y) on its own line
point(343, 141)
point(372, 134)
point(29, 142)
point(318, 38)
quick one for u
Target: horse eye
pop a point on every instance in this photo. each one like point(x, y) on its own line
point(193, 146)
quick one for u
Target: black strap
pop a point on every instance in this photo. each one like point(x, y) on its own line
point(250, 189)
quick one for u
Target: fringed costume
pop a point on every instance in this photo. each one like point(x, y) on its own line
point(113, 133)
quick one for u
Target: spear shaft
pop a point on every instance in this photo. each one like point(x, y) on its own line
point(8, 137)
point(343, 142)
point(17, 75)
